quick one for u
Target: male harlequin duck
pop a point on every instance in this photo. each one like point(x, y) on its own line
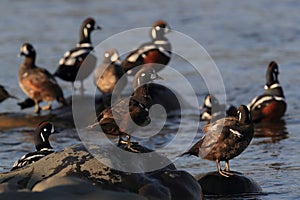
point(225, 139)
point(42, 145)
point(4, 94)
point(109, 73)
point(210, 104)
point(37, 82)
point(70, 64)
point(157, 51)
point(117, 121)
point(271, 105)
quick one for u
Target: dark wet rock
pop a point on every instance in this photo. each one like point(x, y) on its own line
point(179, 183)
point(75, 170)
point(153, 191)
point(213, 183)
point(66, 188)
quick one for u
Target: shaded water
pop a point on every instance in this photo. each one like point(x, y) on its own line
point(242, 38)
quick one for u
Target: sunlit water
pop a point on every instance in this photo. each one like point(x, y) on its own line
point(242, 38)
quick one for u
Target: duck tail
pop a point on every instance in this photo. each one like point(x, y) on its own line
point(194, 150)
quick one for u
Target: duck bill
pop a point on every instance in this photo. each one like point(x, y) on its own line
point(168, 30)
point(96, 27)
point(159, 77)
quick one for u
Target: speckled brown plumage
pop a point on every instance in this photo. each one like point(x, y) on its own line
point(37, 83)
point(225, 139)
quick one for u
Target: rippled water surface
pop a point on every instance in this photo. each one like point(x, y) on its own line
point(241, 37)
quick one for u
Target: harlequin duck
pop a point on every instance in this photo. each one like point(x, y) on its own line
point(271, 105)
point(37, 82)
point(157, 51)
point(219, 110)
point(117, 121)
point(4, 94)
point(109, 73)
point(70, 64)
point(42, 145)
point(225, 139)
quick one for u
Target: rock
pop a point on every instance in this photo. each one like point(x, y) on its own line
point(75, 170)
point(181, 184)
point(78, 185)
point(68, 193)
point(213, 183)
point(154, 191)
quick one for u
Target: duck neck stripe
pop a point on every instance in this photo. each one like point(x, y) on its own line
point(275, 85)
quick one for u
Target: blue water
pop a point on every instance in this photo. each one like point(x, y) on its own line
point(242, 37)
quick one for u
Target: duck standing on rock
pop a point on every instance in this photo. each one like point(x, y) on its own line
point(42, 145)
point(225, 139)
point(158, 51)
point(121, 118)
point(72, 60)
point(36, 82)
point(109, 77)
point(271, 105)
point(4, 94)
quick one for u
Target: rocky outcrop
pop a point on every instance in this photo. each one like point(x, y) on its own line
point(215, 184)
point(74, 173)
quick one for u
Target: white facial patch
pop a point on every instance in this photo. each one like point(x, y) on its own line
point(240, 115)
point(114, 57)
point(143, 74)
point(25, 50)
point(106, 55)
point(25, 74)
point(153, 33)
point(85, 32)
point(42, 136)
point(88, 25)
point(52, 128)
point(208, 102)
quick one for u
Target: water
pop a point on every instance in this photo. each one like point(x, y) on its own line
point(242, 38)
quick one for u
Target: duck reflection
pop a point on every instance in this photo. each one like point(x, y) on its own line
point(273, 131)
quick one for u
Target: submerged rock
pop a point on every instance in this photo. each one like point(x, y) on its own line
point(213, 183)
point(75, 172)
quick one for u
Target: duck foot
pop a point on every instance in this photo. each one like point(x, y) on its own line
point(48, 107)
point(225, 173)
point(37, 109)
point(128, 147)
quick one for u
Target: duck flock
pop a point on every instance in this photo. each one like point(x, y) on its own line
point(229, 129)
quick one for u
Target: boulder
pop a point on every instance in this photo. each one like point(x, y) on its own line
point(76, 172)
point(213, 183)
